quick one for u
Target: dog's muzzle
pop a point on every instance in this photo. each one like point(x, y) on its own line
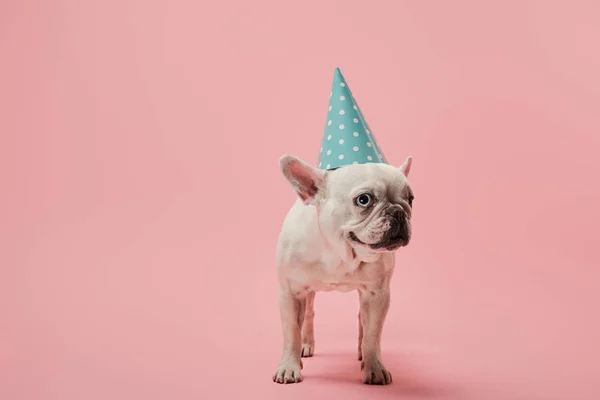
point(398, 234)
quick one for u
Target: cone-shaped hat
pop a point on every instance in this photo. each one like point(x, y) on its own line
point(348, 138)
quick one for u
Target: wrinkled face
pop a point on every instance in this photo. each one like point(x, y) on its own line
point(370, 205)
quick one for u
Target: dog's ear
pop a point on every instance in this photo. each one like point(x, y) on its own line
point(305, 180)
point(405, 168)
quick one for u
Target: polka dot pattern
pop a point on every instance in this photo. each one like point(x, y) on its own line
point(351, 146)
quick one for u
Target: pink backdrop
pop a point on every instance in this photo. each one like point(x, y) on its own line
point(141, 196)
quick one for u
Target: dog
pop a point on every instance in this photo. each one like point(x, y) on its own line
point(341, 234)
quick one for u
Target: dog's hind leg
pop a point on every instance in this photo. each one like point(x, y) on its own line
point(308, 326)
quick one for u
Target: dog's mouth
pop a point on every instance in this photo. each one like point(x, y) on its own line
point(384, 245)
point(387, 244)
point(354, 238)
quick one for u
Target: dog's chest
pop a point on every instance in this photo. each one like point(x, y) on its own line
point(335, 275)
point(344, 286)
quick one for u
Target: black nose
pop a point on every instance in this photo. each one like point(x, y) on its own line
point(395, 229)
point(397, 224)
point(398, 214)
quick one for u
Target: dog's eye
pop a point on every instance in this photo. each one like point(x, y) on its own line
point(363, 200)
point(410, 200)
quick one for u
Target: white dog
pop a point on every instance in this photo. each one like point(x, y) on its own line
point(340, 235)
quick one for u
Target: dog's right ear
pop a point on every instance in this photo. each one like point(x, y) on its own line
point(305, 180)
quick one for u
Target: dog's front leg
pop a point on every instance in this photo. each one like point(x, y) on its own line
point(308, 326)
point(373, 310)
point(360, 336)
point(291, 308)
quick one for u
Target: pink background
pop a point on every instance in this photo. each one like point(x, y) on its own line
point(141, 196)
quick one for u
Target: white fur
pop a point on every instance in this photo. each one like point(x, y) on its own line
point(314, 254)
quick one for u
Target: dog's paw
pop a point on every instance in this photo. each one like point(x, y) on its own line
point(308, 349)
point(288, 373)
point(375, 374)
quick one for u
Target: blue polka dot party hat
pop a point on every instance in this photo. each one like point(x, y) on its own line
point(348, 138)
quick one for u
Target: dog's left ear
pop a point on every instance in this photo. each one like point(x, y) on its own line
point(405, 168)
point(305, 180)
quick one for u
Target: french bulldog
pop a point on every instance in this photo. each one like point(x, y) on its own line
point(341, 234)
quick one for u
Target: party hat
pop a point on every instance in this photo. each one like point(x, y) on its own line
point(348, 138)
